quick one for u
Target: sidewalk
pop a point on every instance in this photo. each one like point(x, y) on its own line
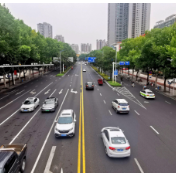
point(160, 82)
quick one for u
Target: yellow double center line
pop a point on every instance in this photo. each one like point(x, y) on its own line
point(81, 133)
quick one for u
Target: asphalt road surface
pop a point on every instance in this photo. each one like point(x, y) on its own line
point(150, 127)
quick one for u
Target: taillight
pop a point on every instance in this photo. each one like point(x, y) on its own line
point(128, 106)
point(147, 95)
point(111, 148)
point(92, 85)
point(87, 86)
point(118, 106)
point(127, 148)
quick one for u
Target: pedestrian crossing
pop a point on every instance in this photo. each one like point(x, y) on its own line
point(125, 92)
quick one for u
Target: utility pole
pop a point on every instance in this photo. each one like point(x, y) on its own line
point(115, 60)
point(60, 62)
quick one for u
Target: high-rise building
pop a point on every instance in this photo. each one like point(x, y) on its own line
point(75, 47)
point(101, 44)
point(127, 20)
point(86, 48)
point(59, 38)
point(168, 22)
point(45, 29)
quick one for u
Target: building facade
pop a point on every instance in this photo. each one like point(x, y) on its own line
point(127, 20)
point(86, 48)
point(59, 38)
point(45, 29)
point(75, 47)
point(100, 44)
point(168, 22)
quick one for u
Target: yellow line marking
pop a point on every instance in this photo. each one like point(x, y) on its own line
point(79, 141)
point(83, 136)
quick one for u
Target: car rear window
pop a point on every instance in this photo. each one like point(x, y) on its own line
point(49, 101)
point(118, 140)
point(89, 83)
point(123, 104)
point(149, 92)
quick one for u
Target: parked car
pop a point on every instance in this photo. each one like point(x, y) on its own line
point(65, 125)
point(115, 143)
point(50, 104)
point(30, 104)
point(12, 158)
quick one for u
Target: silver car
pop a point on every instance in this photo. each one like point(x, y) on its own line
point(115, 143)
point(50, 104)
point(30, 104)
point(65, 125)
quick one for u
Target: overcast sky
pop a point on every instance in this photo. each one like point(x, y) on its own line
point(78, 23)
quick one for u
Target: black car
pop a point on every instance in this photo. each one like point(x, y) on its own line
point(12, 158)
point(90, 85)
point(50, 104)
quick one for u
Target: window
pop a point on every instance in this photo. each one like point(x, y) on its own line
point(9, 163)
point(65, 120)
point(106, 134)
point(118, 140)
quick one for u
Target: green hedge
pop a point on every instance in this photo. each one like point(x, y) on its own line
point(61, 74)
point(106, 77)
point(115, 84)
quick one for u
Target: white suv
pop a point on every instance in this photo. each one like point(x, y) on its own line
point(65, 125)
point(120, 106)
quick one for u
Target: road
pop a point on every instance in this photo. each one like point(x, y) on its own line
point(149, 127)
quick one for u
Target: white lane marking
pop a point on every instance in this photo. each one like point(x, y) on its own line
point(53, 92)
point(5, 96)
point(73, 91)
point(24, 126)
point(140, 168)
point(44, 88)
point(104, 101)
point(20, 92)
point(154, 130)
point(39, 155)
point(146, 102)
point(100, 94)
point(62, 171)
point(60, 91)
point(118, 94)
point(136, 112)
point(70, 85)
point(110, 112)
point(9, 117)
point(14, 100)
point(167, 102)
point(51, 156)
point(47, 92)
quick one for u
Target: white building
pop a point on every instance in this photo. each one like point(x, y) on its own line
point(86, 48)
point(127, 20)
point(59, 38)
point(75, 47)
point(101, 44)
point(45, 29)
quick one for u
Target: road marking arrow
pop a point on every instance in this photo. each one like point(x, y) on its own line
point(20, 92)
point(73, 91)
point(32, 92)
point(47, 91)
point(76, 75)
point(61, 91)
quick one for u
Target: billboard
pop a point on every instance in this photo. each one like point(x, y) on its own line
point(56, 59)
point(70, 59)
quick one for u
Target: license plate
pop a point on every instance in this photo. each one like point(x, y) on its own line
point(120, 150)
point(123, 108)
point(63, 135)
point(25, 110)
point(151, 95)
point(46, 110)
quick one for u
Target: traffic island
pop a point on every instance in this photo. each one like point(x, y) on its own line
point(114, 84)
point(63, 73)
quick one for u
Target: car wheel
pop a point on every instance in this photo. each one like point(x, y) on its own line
point(116, 111)
point(112, 107)
point(106, 151)
point(23, 165)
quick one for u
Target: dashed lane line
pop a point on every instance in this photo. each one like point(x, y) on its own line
point(167, 102)
point(100, 94)
point(104, 101)
point(136, 112)
point(154, 130)
point(110, 112)
point(137, 163)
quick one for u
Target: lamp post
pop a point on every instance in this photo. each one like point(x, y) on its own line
point(60, 60)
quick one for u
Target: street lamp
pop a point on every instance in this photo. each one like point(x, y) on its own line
point(60, 60)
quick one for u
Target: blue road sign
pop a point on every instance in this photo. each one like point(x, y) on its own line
point(116, 72)
point(91, 59)
point(121, 63)
point(127, 63)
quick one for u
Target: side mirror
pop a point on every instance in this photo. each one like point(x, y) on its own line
point(75, 120)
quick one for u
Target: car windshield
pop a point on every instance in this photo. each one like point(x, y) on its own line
point(65, 120)
point(27, 102)
point(118, 140)
point(49, 102)
point(1, 170)
point(123, 104)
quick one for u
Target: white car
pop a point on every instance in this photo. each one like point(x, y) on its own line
point(120, 106)
point(147, 93)
point(65, 125)
point(84, 70)
point(115, 143)
point(30, 104)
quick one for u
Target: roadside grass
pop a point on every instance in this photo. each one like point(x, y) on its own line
point(115, 84)
point(61, 74)
point(106, 77)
